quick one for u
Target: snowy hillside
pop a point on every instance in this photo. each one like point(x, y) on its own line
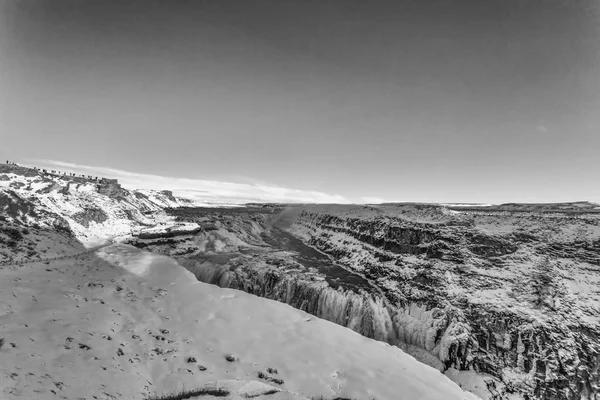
point(94, 210)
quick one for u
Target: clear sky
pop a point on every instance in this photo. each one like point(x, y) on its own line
point(417, 100)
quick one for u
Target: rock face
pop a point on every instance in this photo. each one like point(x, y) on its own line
point(13, 206)
point(61, 224)
point(514, 292)
point(170, 232)
point(96, 215)
point(169, 195)
point(111, 188)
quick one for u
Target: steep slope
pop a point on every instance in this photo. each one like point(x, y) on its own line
point(509, 294)
point(93, 209)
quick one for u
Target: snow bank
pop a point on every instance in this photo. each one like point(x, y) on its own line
point(315, 356)
point(85, 328)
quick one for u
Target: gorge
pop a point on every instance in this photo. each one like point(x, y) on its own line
point(507, 294)
point(503, 299)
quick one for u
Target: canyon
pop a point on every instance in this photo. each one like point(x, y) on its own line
point(510, 296)
point(83, 315)
point(503, 300)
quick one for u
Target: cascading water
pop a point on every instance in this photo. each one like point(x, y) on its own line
point(428, 335)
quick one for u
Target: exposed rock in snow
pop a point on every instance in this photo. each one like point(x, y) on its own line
point(90, 215)
point(179, 229)
point(111, 188)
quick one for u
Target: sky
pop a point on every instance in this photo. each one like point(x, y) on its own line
point(314, 101)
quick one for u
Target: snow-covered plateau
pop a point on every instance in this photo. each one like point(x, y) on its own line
point(502, 301)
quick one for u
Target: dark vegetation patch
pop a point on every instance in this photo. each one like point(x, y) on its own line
point(92, 214)
point(13, 233)
point(325, 398)
point(188, 394)
point(272, 391)
point(262, 375)
point(267, 393)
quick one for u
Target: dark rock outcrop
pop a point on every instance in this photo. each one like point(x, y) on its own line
point(169, 195)
point(61, 224)
point(96, 215)
point(18, 170)
point(12, 205)
point(111, 188)
point(169, 233)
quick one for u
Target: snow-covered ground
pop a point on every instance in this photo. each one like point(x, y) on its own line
point(124, 324)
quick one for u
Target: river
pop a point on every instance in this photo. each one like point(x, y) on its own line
point(335, 275)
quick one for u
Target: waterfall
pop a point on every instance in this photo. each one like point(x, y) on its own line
point(425, 334)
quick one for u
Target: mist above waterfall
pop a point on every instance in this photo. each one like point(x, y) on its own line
point(287, 217)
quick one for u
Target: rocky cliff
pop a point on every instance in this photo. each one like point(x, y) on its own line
point(89, 208)
point(517, 293)
point(111, 188)
point(510, 298)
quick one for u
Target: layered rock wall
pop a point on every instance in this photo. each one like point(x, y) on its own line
point(481, 287)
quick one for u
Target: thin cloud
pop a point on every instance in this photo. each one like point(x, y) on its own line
point(196, 189)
